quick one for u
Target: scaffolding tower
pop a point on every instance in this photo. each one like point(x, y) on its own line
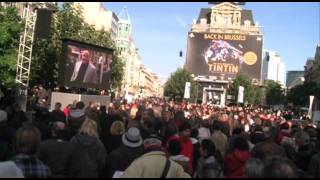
point(25, 45)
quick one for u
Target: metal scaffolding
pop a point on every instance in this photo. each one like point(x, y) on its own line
point(25, 46)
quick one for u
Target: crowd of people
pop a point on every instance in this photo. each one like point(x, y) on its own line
point(156, 138)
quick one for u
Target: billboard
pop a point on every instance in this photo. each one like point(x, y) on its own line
point(224, 55)
point(85, 66)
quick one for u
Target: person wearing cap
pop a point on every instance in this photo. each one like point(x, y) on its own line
point(130, 149)
point(154, 163)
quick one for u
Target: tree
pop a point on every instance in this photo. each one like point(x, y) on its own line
point(175, 85)
point(274, 93)
point(10, 28)
point(299, 95)
point(252, 94)
point(69, 24)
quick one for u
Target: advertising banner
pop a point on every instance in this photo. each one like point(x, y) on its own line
point(224, 55)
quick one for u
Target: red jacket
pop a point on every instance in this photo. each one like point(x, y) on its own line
point(186, 149)
point(234, 163)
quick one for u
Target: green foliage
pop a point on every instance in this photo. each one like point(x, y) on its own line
point(175, 85)
point(299, 95)
point(10, 28)
point(274, 93)
point(252, 94)
point(69, 24)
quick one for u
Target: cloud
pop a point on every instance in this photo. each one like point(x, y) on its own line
point(182, 22)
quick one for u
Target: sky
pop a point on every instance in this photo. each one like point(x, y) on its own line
point(160, 30)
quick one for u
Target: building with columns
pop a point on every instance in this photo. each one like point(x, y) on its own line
point(226, 18)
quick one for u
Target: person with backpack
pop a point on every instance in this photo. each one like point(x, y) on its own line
point(154, 163)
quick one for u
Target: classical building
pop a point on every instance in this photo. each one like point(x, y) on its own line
point(228, 21)
point(273, 68)
point(96, 14)
point(312, 67)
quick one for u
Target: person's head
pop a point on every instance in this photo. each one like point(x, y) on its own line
point(57, 106)
point(174, 147)
point(279, 167)
point(302, 138)
point(217, 126)
point(89, 127)
point(80, 105)
point(103, 109)
point(207, 148)
point(254, 168)
point(153, 141)
point(58, 129)
point(132, 138)
point(27, 140)
point(240, 143)
point(117, 128)
point(185, 130)
point(85, 56)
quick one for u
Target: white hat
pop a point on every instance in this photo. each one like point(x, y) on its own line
point(3, 116)
point(132, 138)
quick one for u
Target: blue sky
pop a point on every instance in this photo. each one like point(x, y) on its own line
point(160, 30)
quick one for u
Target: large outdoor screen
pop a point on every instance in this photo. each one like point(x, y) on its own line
point(85, 66)
point(224, 55)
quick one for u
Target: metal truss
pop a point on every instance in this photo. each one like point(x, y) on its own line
point(25, 46)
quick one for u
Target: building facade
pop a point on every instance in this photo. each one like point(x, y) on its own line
point(225, 18)
point(273, 67)
point(95, 14)
point(138, 81)
point(312, 67)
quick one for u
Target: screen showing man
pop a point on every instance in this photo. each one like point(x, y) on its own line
point(84, 71)
point(85, 66)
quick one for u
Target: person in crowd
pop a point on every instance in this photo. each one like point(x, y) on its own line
point(115, 139)
point(6, 135)
point(234, 162)
point(204, 130)
point(92, 148)
point(279, 167)
point(284, 132)
point(210, 163)
point(257, 135)
point(61, 156)
point(76, 118)
point(314, 166)
point(154, 164)
point(57, 114)
point(268, 147)
point(174, 150)
point(9, 169)
point(26, 145)
point(17, 117)
point(66, 110)
point(196, 148)
point(219, 138)
point(130, 149)
point(254, 168)
point(305, 150)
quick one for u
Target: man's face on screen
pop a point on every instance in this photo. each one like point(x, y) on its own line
point(85, 57)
